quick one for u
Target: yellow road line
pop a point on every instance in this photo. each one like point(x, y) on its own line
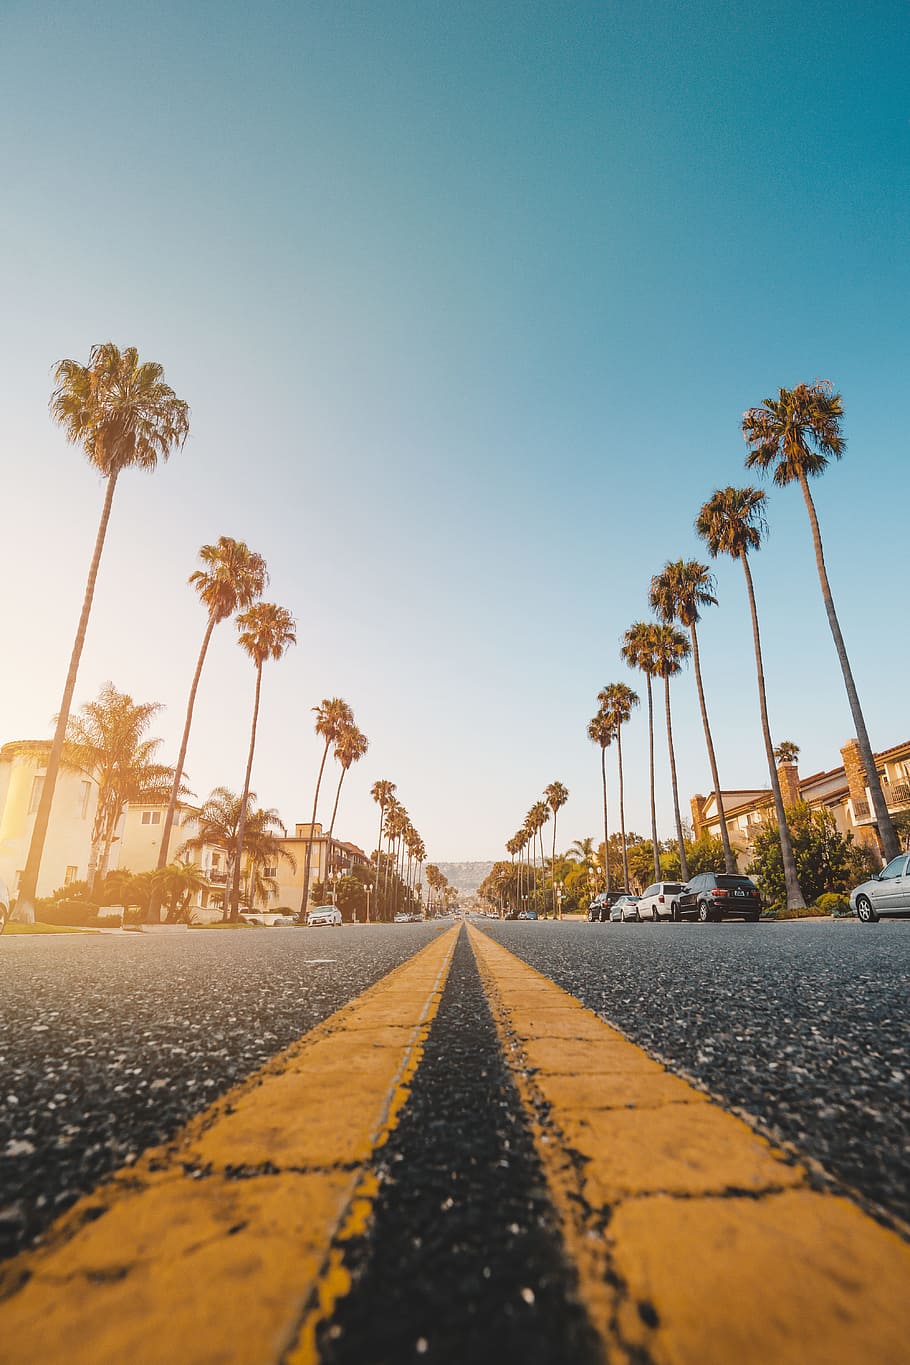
point(216, 1247)
point(695, 1239)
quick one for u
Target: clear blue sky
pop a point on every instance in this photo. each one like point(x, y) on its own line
point(467, 300)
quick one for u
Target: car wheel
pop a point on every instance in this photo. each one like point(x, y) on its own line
point(865, 910)
point(752, 919)
point(704, 912)
point(675, 916)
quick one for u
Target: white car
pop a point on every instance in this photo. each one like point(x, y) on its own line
point(4, 905)
point(658, 900)
point(324, 914)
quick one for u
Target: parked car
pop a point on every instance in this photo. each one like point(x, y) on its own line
point(718, 895)
point(324, 914)
point(658, 900)
point(4, 905)
point(624, 907)
point(527, 914)
point(888, 893)
point(599, 908)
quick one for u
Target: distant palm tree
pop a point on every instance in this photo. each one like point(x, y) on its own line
point(638, 652)
point(600, 732)
point(616, 701)
point(264, 631)
point(381, 792)
point(670, 649)
point(124, 416)
point(733, 522)
point(556, 796)
point(232, 578)
point(539, 814)
point(795, 435)
point(786, 751)
point(677, 594)
point(350, 747)
point(332, 714)
point(106, 739)
point(218, 826)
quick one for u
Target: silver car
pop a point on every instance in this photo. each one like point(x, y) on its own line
point(886, 894)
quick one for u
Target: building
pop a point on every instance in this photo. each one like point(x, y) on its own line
point(290, 880)
point(842, 791)
point(23, 764)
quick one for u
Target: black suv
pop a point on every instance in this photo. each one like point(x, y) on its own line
point(717, 895)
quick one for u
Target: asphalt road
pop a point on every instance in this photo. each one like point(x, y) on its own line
point(109, 1042)
point(803, 1025)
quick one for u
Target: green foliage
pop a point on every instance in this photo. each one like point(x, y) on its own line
point(70, 913)
point(833, 904)
point(825, 859)
point(702, 855)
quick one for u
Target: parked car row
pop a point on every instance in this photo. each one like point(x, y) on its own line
point(709, 896)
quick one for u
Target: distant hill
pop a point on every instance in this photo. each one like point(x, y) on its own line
point(465, 877)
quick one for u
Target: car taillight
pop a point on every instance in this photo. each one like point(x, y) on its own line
point(719, 892)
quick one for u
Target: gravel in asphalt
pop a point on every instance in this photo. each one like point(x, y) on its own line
point(464, 1262)
point(109, 1043)
point(803, 1025)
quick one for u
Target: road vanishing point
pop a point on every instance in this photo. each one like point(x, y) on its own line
point(447, 1142)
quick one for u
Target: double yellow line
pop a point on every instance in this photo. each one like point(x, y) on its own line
point(693, 1238)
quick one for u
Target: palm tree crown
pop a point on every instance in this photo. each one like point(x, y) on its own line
point(120, 411)
point(786, 751)
point(233, 577)
point(265, 631)
point(733, 522)
point(681, 589)
point(671, 648)
point(796, 433)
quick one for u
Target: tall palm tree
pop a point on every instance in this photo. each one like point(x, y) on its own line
point(556, 796)
point(382, 792)
point(106, 739)
point(670, 649)
point(795, 435)
point(264, 631)
point(124, 416)
point(537, 817)
point(733, 522)
point(600, 732)
point(332, 714)
point(616, 701)
point(678, 593)
point(232, 578)
point(638, 652)
point(350, 747)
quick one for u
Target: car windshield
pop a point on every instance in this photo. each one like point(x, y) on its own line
point(735, 883)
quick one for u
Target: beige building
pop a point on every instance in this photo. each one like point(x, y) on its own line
point(841, 790)
point(22, 768)
point(290, 882)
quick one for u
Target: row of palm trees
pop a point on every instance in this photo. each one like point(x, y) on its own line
point(793, 437)
point(530, 837)
point(399, 867)
point(123, 415)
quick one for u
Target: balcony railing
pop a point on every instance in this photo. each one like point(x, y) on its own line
point(861, 810)
point(895, 794)
point(217, 878)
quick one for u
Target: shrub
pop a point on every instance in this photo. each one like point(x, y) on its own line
point(70, 914)
point(833, 904)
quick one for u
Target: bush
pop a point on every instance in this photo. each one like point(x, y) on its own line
point(71, 914)
point(833, 904)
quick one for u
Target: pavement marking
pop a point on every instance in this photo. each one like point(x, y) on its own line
point(694, 1238)
point(217, 1246)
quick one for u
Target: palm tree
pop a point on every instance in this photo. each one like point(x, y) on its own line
point(537, 817)
point(638, 652)
point(600, 732)
point(381, 792)
point(332, 714)
point(106, 739)
point(795, 435)
point(556, 796)
point(175, 884)
point(350, 747)
point(670, 648)
point(264, 631)
point(786, 751)
point(232, 578)
point(218, 826)
point(677, 594)
point(616, 702)
point(733, 522)
point(124, 416)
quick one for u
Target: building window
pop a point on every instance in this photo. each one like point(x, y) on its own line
point(86, 795)
point(270, 871)
point(151, 817)
point(37, 788)
point(70, 876)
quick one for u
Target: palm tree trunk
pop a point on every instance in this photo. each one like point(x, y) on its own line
point(378, 862)
point(241, 823)
point(25, 899)
point(603, 778)
point(334, 813)
point(553, 872)
point(795, 899)
point(651, 761)
point(622, 812)
point(729, 860)
point(309, 842)
point(683, 865)
point(886, 832)
point(184, 742)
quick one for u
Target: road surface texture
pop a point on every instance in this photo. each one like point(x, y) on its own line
point(110, 1042)
point(425, 1149)
point(804, 1025)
